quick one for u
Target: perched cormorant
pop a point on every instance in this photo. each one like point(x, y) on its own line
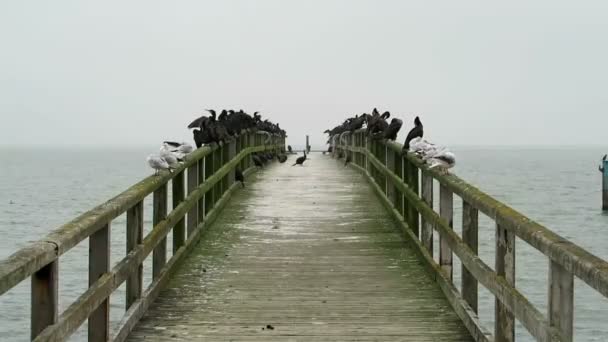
point(282, 158)
point(300, 160)
point(238, 176)
point(289, 149)
point(391, 131)
point(416, 132)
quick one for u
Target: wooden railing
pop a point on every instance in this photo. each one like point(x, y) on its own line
point(405, 185)
point(200, 189)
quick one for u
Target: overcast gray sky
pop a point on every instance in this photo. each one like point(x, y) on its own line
point(136, 72)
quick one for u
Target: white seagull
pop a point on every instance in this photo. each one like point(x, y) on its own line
point(157, 163)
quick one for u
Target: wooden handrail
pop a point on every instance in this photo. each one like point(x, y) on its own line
point(379, 158)
point(40, 259)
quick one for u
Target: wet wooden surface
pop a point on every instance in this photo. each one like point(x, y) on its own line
point(312, 253)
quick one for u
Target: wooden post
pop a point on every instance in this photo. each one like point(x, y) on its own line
point(135, 232)
point(446, 204)
point(231, 155)
point(390, 164)
point(99, 264)
point(179, 231)
point(193, 175)
point(201, 180)
point(159, 213)
point(504, 321)
point(605, 185)
point(427, 197)
point(561, 300)
point(307, 144)
point(44, 298)
point(414, 220)
point(470, 223)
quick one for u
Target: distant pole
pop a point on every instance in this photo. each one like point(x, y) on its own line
point(604, 170)
point(307, 145)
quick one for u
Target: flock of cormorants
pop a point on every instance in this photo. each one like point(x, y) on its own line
point(220, 130)
point(379, 128)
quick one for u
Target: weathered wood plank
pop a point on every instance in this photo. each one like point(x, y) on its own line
point(193, 182)
point(135, 232)
point(44, 298)
point(504, 324)
point(470, 236)
point(389, 187)
point(179, 230)
point(561, 300)
point(277, 270)
point(99, 264)
point(446, 211)
point(159, 212)
point(427, 197)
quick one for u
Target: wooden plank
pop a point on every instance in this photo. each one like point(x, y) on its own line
point(44, 298)
point(504, 324)
point(222, 292)
point(135, 232)
point(470, 236)
point(427, 227)
point(99, 264)
point(193, 174)
point(413, 179)
point(446, 211)
point(159, 208)
point(179, 231)
point(561, 300)
point(389, 188)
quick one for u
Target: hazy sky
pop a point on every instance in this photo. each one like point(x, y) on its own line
point(137, 72)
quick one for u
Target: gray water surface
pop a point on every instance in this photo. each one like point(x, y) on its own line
point(40, 189)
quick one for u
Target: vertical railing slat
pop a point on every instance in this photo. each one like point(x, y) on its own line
point(178, 194)
point(504, 322)
point(470, 224)
point(44, 298)
point(414, 220)
point(135, 232)
point(426, 235)
point(99, 264)
point(561, 300)
point(159, 213)
point(193, 217)
point(446, 211)
point(389, 161)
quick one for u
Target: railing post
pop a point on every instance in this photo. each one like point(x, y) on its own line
point(390, 164)
point(427, 197)
point(231, 155)
point(179, 231)
point(605, 185)
point(201, 180)
point(446, 204)
point(159, 213)
point(561, 300)
point(414, 221)
point(44, 298)
point(99, 264)
point(470, 223)
point(135, 232)
point(504, 321)
point(193, 174)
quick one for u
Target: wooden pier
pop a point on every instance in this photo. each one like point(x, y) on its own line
point(321, 252)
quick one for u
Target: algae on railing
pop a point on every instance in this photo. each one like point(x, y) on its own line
point(196, 203)
point(396, 179)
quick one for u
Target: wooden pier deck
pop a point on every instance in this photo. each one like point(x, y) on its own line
point(311, 252)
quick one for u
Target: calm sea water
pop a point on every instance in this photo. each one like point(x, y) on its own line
point(40, 189)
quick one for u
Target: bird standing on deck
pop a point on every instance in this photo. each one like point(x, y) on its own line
point(238, 176)
point(300, 161)
point(257, 161)
point(416, 132)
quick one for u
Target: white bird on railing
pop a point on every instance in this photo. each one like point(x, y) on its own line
point(158, 163)
point(442, 160)
point(180, 150)
point(170, 157)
